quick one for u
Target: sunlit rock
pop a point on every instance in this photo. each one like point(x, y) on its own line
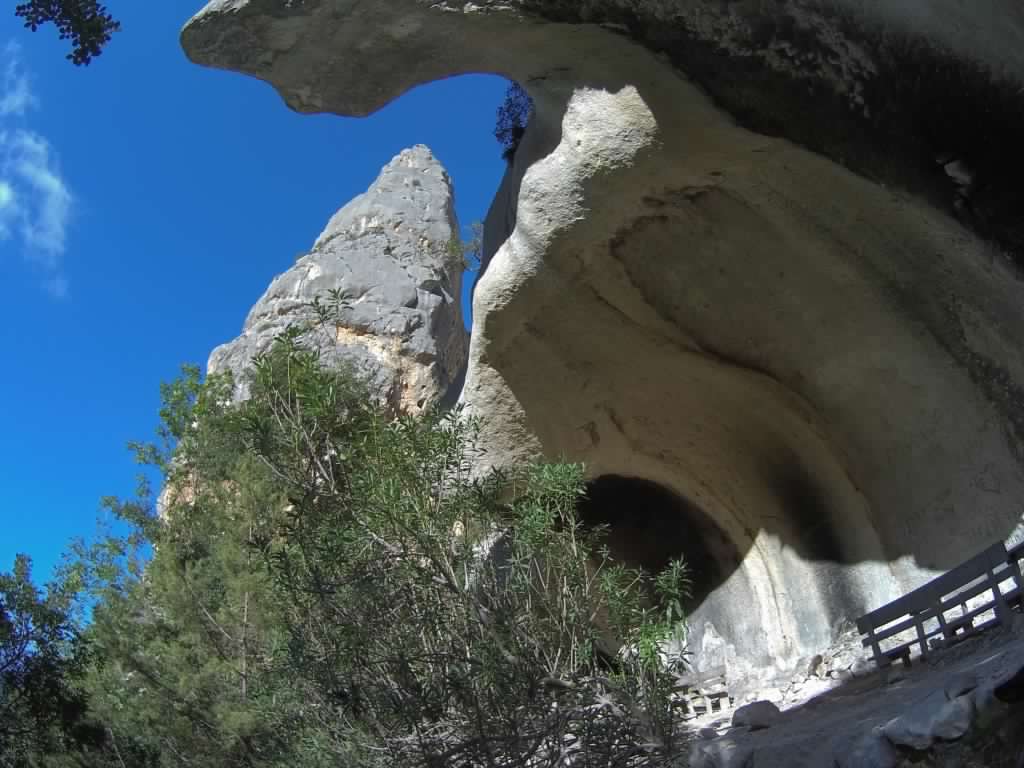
point(813, 357)
point(387, 255)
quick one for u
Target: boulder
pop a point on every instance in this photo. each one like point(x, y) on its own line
point(756, 715)
point(932, 719)
point(387, 255)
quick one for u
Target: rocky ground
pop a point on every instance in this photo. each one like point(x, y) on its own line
point(960, 707)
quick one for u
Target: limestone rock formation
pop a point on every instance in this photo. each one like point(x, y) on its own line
point(807, 364)
point(388, 254)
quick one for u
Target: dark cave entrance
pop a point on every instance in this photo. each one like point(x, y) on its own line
point(649, 525)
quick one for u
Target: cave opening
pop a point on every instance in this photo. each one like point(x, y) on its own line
point(648, 525)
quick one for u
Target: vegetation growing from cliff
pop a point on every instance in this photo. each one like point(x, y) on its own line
point(512, 118)
point(326, 584)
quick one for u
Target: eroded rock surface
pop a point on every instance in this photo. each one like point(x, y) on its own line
point(387, 255)
point(923, 94)
point(823, 372)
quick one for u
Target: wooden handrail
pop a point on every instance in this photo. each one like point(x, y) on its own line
point(982, 573)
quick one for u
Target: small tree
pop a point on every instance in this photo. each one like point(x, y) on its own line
point(43, 713)
point(467, 255)
point(513, 116)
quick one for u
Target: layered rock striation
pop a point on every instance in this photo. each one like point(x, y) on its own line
point(387, 255)
point(812, 377)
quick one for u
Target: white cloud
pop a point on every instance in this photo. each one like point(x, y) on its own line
point(35, 201)
point(16, 93)
point(44, 229)
point(7, 207)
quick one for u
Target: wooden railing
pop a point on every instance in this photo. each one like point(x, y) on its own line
point(703, 693)
point(970, 592)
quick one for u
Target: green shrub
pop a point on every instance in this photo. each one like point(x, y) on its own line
point(331, 585)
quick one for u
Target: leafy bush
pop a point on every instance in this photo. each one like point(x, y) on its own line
point(330, 585)
point(467, 255)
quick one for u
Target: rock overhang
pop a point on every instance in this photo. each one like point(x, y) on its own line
point(828, 368)
point(896, 90)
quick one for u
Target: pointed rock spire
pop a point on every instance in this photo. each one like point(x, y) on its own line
point(387, 254)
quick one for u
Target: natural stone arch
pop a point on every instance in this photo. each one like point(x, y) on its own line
point(669, 296)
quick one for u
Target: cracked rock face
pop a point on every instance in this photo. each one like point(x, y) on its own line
point(387, 254)
point(821, 374)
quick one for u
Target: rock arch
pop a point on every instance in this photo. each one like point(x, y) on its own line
point(827, 366)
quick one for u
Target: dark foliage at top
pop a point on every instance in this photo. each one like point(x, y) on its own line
point(86, 23)
point(513, 115)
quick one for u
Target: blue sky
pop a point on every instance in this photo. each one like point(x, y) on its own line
point(145, 204)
